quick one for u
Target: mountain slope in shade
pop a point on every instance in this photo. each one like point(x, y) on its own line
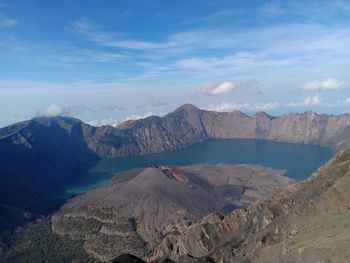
point(132, 215)
point(37, 157)
point(306, 222)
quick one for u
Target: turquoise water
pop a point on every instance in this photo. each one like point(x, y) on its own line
point(300, 160)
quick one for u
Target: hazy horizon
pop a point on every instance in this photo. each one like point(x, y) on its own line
point(137, 117)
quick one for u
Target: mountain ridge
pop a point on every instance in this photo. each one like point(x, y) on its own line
point(133, 137)
point(41, 155)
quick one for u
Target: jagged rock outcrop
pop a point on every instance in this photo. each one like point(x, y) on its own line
point(134, 213)
point(306, 222)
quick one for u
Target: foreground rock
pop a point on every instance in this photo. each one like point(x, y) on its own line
point(127, 258)
point(306, 222)
point(134, 213)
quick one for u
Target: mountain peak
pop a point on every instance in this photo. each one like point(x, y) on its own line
point(263, 114)
point(60, 120)
point(54, 118)
point(188, 106)
point(239, 113)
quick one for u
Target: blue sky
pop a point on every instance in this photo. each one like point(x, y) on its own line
point(108, 61)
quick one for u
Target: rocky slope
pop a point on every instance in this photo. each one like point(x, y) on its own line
point(132, 215)
point(188, 125)
point(306, 222)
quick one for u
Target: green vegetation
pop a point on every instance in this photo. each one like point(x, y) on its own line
point(36, 243)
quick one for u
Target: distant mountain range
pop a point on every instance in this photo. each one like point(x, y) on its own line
point(40, 156)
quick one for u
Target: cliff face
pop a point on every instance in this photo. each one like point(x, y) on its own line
point(178, 129)
point(306, 222)
point(188, 125)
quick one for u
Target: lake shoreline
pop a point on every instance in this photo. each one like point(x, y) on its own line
point(300, 160)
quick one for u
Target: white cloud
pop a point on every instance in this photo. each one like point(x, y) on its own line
point(137, 117)
point(51, 110)
point(219, 89)
point(309, 101)
point(79, 110)
point(227, 106)
point(98, 123)
point(92, 123)
point(316, 100)
point(313, 100)
point(265, 106)
point(7, 22)
point(109, 121)
point(268, 49)
point(324, 85)
point(223, 88)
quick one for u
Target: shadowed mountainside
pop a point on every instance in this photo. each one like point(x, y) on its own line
point(37, 157)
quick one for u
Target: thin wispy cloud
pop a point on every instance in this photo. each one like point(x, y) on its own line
point(7, 22)
point(324, 85)
point(75, 55)
point(229, 106)
point(344, 5)
point(134, 117)
point(86, 29)
point(26, 88)
point(158, 104)
point(314, 100)
point(212, 17)
point(55, 109)
point(272, 9)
